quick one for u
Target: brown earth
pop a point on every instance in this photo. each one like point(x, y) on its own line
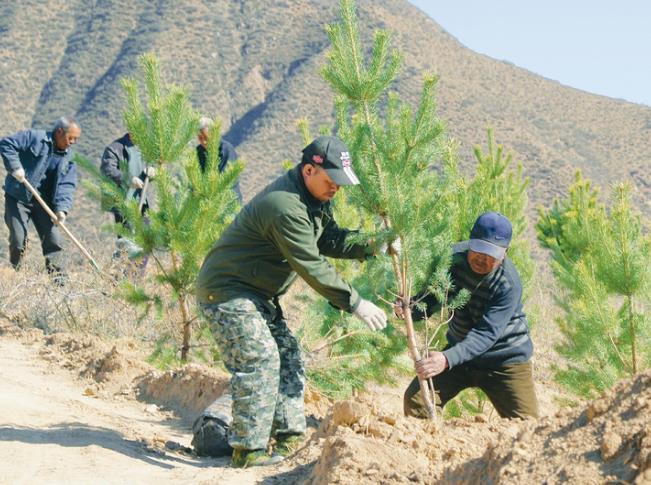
point(111, 418)
point(84, 426)
point(256, 65)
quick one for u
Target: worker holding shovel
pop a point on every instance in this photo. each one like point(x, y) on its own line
point(39, 166)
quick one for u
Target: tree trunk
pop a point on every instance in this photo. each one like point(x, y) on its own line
point(185, 315)
point(187, 328)
point(631, 324)
point(404, 290)
point(426, 391)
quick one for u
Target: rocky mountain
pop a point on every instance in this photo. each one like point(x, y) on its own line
point(256, 66)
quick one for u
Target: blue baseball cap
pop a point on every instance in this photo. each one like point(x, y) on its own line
point(491, 235)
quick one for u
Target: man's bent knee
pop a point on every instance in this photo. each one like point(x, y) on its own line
point(413, 404)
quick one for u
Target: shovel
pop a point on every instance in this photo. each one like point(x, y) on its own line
point(53, 216)
point(143, 194)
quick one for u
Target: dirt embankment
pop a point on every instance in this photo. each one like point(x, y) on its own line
point(607, 441)
point(365, 440)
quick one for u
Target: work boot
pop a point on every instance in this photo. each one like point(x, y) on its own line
point(246, 458)
point(286, 444)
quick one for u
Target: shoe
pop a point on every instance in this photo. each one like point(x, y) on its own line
point(288, 444)
point(246, 458)
point(60, 280)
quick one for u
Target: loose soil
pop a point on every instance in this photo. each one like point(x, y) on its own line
point(76, 410)
point(63, 427)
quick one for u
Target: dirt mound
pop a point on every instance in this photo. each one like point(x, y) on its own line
point(119, 368)
point(188, 390)
point(112, 368)
point(359, 443)
point(608, 441)
point(366, 440)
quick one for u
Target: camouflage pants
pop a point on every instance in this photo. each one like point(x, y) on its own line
point(268, 377)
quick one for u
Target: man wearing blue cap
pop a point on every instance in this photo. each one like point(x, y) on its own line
point(489, 346)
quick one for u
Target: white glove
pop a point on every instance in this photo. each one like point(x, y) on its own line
point(136, 183)
point(372, 315)
point(394, 248)
point(150, 172)
point(61, 217)
point(19, 174)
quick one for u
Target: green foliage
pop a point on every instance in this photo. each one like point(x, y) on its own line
point(394, 151)
point(192, 207)
point(165, 355)
point(346, 356)
point(495, 186)
point(353, 357)
point(601, 260)
point(162, 127)
point(468, 402)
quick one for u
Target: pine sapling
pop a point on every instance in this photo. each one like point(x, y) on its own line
point(393, 155)
point(601, 261)
point(192, 207)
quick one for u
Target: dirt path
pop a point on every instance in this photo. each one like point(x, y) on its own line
point(50, 432)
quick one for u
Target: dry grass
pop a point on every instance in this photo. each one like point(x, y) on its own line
point(87, 304)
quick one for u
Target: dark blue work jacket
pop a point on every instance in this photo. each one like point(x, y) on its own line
point(31, 150)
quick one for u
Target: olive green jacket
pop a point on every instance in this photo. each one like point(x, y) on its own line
point(281, 233)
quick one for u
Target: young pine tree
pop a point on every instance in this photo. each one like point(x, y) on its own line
point(192, 207)
point(394, 148)
point(601, 259)
point(495, 186)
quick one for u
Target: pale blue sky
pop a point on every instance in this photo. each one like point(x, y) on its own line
point(599, 46)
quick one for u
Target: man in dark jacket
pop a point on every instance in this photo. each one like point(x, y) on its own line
point(489, 346)
point(286, 231)
point(123, 154)
point(44, 159)
point(226, 152)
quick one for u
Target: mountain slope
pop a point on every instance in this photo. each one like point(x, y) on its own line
point(256, 66)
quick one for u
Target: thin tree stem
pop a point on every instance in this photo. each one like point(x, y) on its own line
point(330, 343)
point(400, 273)
point(185, 314)
point(631, 323)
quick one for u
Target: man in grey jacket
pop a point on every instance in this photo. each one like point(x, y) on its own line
point(44, 159)
point(122, 163)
